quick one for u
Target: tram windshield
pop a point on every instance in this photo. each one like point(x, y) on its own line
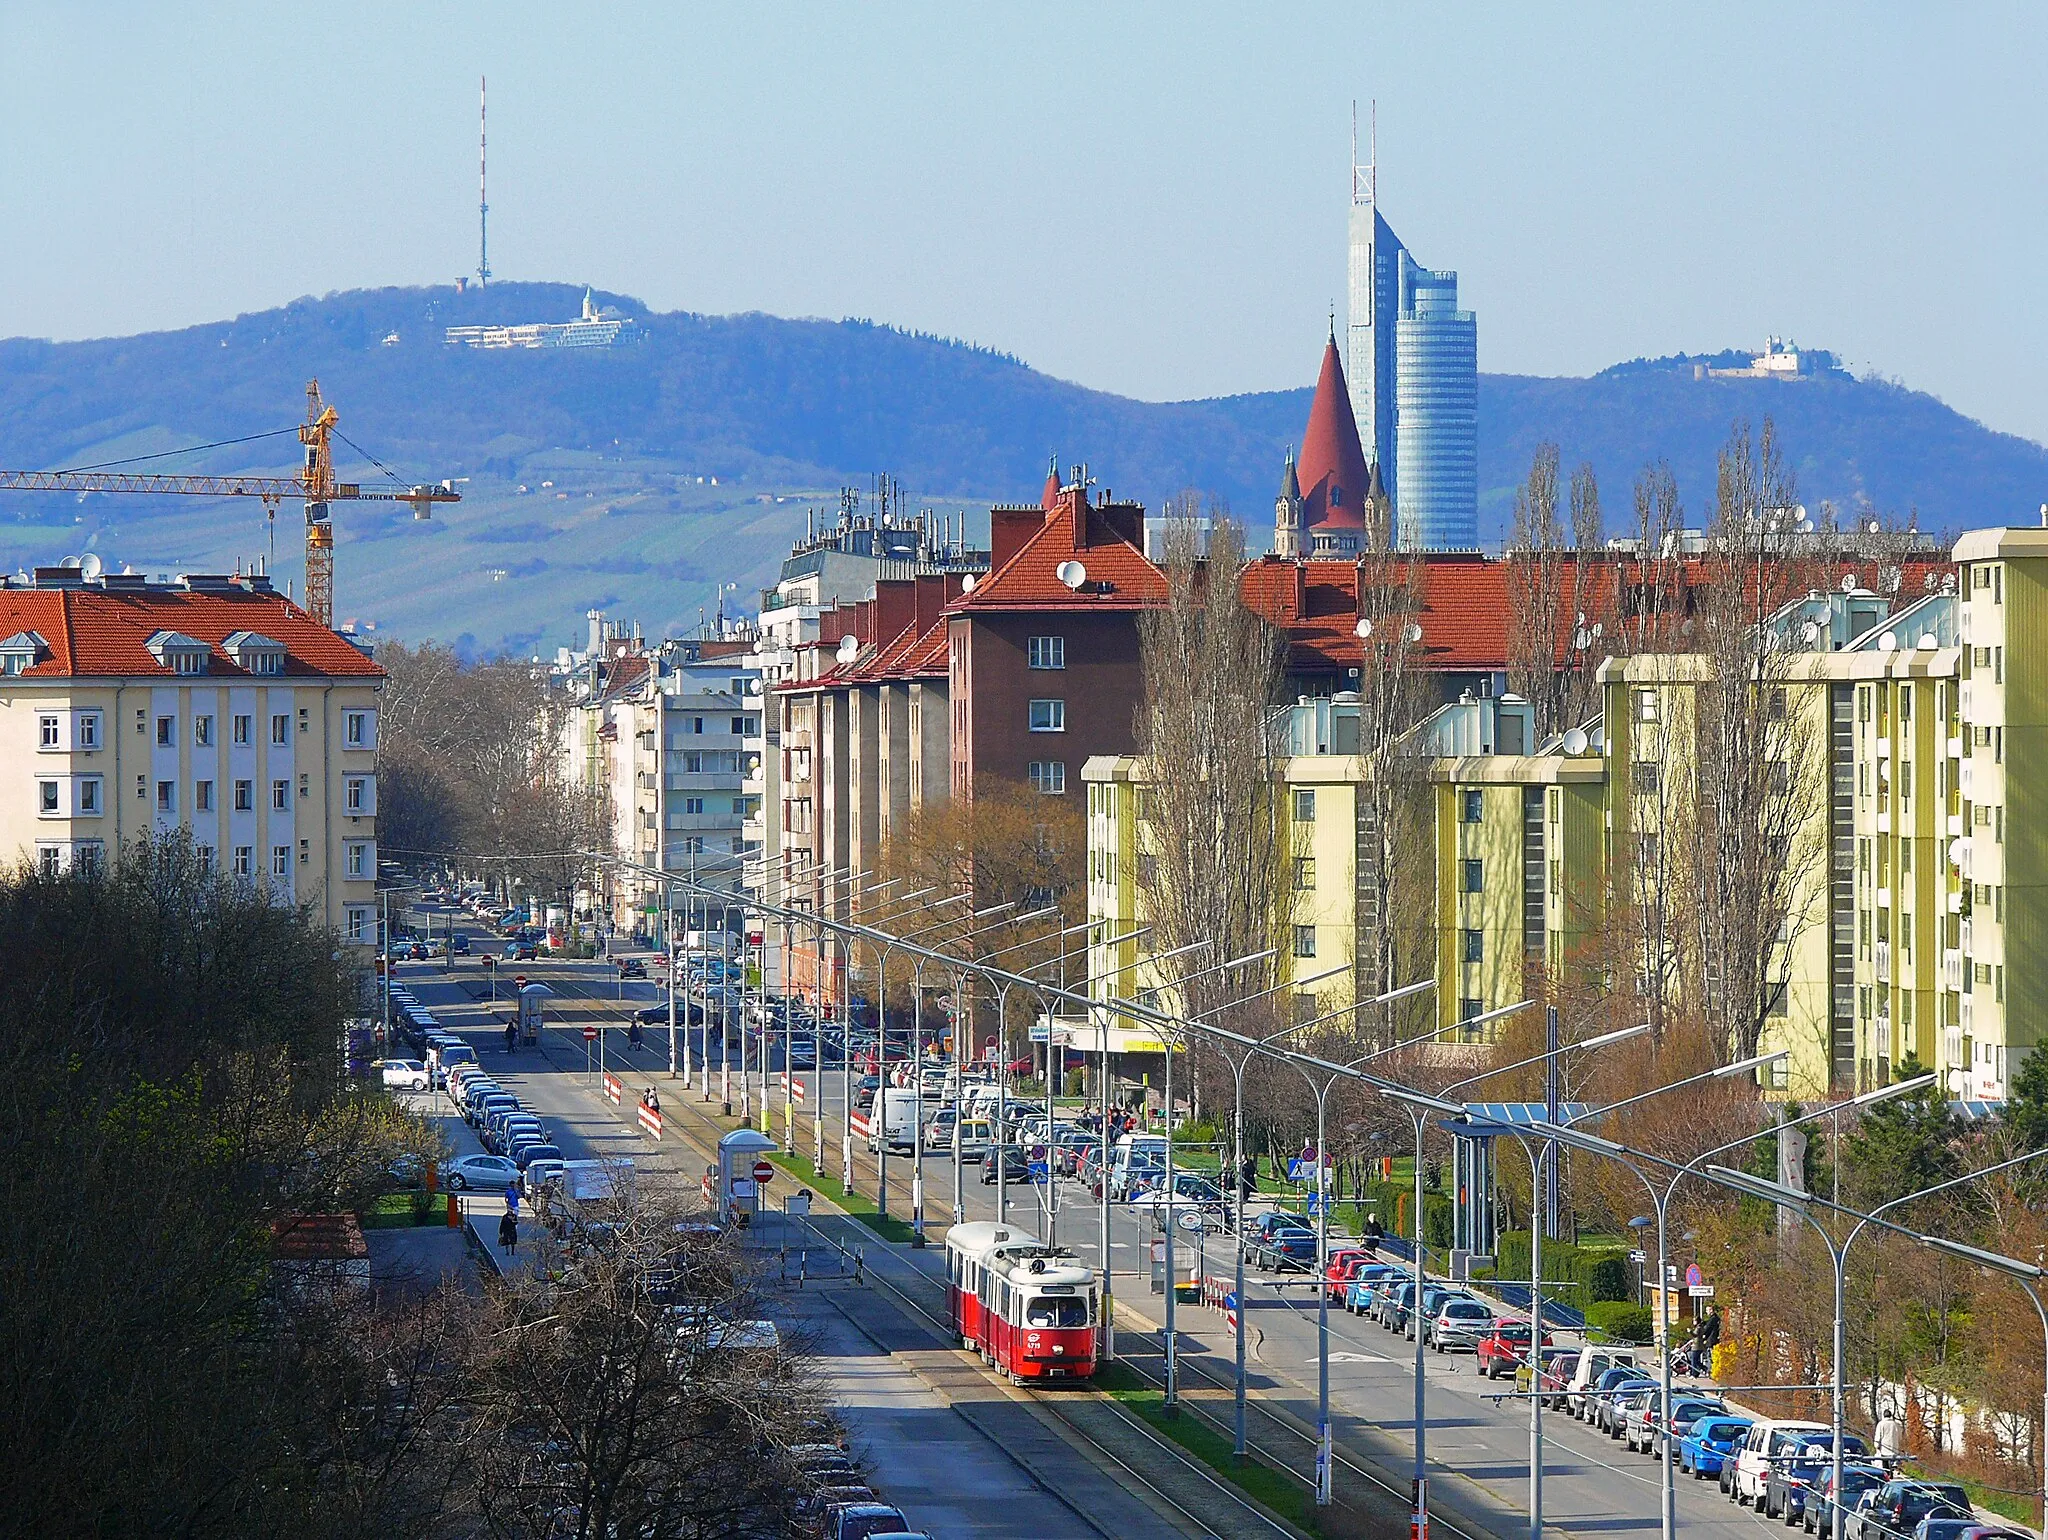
point(1043, 1310)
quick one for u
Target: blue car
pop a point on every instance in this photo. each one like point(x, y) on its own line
point(1374, 1275)
point(1712, 1440)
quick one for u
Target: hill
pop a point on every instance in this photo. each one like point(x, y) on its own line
point(643, 477)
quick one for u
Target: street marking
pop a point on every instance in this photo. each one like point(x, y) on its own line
point(1350, 1358)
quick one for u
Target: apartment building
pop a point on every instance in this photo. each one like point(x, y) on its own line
point(212, 704)
point(673, 742)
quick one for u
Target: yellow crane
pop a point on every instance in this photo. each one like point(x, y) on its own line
point(315, 484)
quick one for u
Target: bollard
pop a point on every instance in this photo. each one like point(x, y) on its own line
point(454, 1213)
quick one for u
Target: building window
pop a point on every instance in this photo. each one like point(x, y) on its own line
point(206, 860)
point(52, 858)
point(202, 732)
point(46, 798)
point(356, 859)
point(1049, 776)
point(1646, 705)
point(88, 729)
point(1469, 1008)
point(167, 796)
point(1471, 806)
point(746, 727)
point(359, 794)
point(359, 729)
point(1304, 874)
point(88, 858)
point(693, 804)
point(1304, 941)
point(281, 795)
point(245, 859)
point(47, 726)
point(281, 728)
point(1048, 716)
point(244, 725)
point(1644, 779)
point(280, 860)
point(357, 926)
point(88, 796)
point(166, 731)
point(202, 796)
point(1475, 946)
point(1472, 876)
point(245, 796)
point(1046, 651)
point(1304, 807)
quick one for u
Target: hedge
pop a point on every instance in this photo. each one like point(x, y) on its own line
point(1601, 1274)
point(1620, 1321)
point(1394, 1203)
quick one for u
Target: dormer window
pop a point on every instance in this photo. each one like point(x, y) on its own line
point(22, 652)
point(179, 653)
point(255, 654)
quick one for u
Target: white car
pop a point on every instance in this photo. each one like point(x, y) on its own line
point(406, 1075)
point(490, 1173)
point(536, 1174)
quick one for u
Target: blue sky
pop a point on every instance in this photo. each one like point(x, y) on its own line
point(1145, 198)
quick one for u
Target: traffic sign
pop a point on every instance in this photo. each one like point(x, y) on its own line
point(589, 1032)
point(1700, 1290)
point(763, 1172)
point(1694, 1277)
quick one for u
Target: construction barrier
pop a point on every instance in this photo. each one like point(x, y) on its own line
point(650, 1120)
point(796, 1091)
point(612, 1089)
point(860, 1125)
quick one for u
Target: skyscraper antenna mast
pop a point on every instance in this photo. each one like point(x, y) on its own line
point(483, 201)
point(1365, 179)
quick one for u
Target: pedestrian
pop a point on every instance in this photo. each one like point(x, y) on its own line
point(1705, 1337)
point(1248, 1176)
point(511, 1036)
point(1891, 1435)
point(512, 1198)
point(508, 1235)
point(1374, 1234)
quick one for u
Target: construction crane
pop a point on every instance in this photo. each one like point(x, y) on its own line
point(315, 484)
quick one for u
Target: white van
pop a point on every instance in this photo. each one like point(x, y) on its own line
point(1770, 1442)
point(1142, 1153)
point(895, 1119)
point(1593, 1363)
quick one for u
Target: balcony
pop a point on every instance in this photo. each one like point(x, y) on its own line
point(1884, 962)
point(1969, 1016)
point(1884, 896)
point(1884, 752)
point(1883, 1033)
point(1968, 783)
point(1955, 747)
point(1952, 971)
point(1884, 823)
point(1969, 936)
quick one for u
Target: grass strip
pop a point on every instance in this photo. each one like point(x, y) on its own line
point(859, 1205)
point(1281, 1491)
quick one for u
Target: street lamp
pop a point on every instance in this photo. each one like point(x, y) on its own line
point(2028, 1276)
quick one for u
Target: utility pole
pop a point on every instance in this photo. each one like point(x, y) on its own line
point(483, 202)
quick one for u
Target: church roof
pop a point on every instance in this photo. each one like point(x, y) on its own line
point(1290, 483)
point(1333, 473)
point(1050, 499)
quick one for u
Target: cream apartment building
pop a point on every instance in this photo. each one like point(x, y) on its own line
point(213, 704)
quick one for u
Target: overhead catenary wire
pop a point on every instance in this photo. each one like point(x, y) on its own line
point(190, 449)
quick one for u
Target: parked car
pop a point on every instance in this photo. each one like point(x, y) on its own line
point(1901, 1504)
point(537, 1174)
point(1344, 1262)
point(1790, 1480)
point(1459, 1325)
point(1600, 1399)
point(521, 951)
point(632, 968)
point(526, 1154)
point(1504, 1348)
point(1365, 1283)
point(1434, 1297)
point(1593, 1362)
point(478, 1171)
point(406, 1075)
point(1940, 1527)
point(1709, 1441)
point(1769, 1441)
point(856, 1521)
point(1280, 1242)
point(1645, 1430)
point(1630, 1396)
point(1816, 1514)
point(1558, 1364)
point(1013, 1165)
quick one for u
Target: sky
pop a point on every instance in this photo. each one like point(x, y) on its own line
point(1147, 199)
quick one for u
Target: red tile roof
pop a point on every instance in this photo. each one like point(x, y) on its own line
point(1116, 574)
point(94, 632)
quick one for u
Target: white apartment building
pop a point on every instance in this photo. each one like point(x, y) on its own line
point(212, 704)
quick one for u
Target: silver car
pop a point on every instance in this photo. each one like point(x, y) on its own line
point(1460, 1326)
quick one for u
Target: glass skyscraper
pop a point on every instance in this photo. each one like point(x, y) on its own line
point(1412, 365)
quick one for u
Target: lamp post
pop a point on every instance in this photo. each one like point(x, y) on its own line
point(1661, 1199)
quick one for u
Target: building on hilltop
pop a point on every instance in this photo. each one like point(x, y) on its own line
point(210, 705)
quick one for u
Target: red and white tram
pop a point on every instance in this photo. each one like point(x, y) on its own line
point(1028, 1308)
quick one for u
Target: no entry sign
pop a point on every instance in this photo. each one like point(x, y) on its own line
point(763, 1172)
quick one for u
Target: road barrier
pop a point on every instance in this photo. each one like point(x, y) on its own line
point(650, 1120)
point(612, 1089)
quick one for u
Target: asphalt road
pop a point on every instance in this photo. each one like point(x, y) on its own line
point(1591, 1484)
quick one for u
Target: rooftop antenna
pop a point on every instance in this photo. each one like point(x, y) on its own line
point(483, 202)
point(1365, 183)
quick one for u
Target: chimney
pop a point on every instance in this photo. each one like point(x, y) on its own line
point(929, 597)
point(895, 607)
point(1008, 530)
point(1123, 521)
point(595, 646)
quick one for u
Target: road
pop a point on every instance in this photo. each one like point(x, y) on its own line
point(973, 1463)
point(1591, 1484)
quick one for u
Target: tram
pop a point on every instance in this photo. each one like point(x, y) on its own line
point(1028, 1308)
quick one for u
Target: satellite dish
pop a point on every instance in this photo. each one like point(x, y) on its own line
point(1363, 630)
point(1849, 584)
point(1927, 641)
point(91, 566)
point(760, 645)
point(1597, 630)
point(849, 648)
point(967, 583)
point(1071, 573)
point(73, 562)
point(1889, 642)
point(1413, 633)
point(1811, 632)
point(1575, 741)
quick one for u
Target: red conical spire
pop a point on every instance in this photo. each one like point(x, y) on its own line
point(1332, 466)
point(1051, 499)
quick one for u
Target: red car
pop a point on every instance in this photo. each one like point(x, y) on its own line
point(1505, 1349)
point(1344, 1266)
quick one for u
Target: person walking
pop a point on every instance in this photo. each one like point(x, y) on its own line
point(1705, 1337)
point(508, 1234)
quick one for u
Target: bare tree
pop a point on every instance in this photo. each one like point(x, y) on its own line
point(1552, 631)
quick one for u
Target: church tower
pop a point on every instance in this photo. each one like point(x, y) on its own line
point(1287, 513)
